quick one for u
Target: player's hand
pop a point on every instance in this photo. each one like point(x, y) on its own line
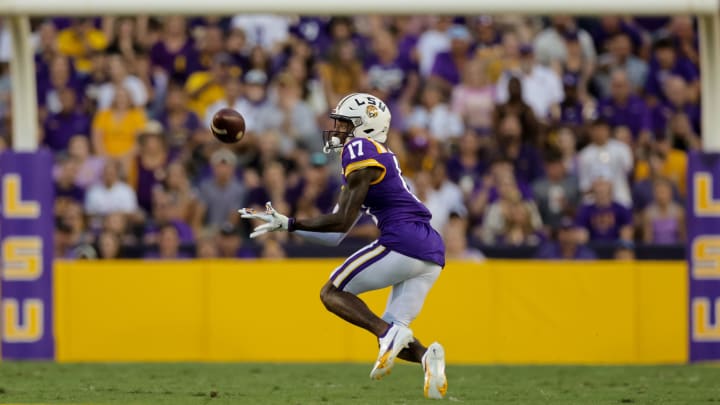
point(275, 220)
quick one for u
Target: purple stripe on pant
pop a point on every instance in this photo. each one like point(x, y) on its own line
point(354, 257)
point(362, 267)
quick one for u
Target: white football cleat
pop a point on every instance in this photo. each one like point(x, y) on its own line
point(433, 362)
point(396, 338)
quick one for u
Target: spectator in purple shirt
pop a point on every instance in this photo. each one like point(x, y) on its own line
point(525, 157)
point(65, 186)
point(566, 245)
point(61, 126)
point(168, 245)
point(625, 109)
point(210, 42)
point(611, 25)
point(316, 191)
point(665, 63)
point(313, 30)
point(486, 32)
point(683, 32)
point(571, 112)
point(466, 166)
point(231, 245)
point(62, 76)
point(605, 220)
point(175, 53)
point(388, 73)
point(449, 65)
point(676, 92)
point(179, 122)
point(148, 168)
point(164, 213)
point(407, 37)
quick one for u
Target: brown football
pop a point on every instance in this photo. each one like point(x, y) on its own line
point(228, 126)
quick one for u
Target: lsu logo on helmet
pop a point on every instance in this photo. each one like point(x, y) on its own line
point(371, 111)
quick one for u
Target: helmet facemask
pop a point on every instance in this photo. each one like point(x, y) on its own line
point(334, 139)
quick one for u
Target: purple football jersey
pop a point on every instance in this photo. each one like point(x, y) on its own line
point(403, 220)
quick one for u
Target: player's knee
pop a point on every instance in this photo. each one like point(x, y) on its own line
point(326, 294)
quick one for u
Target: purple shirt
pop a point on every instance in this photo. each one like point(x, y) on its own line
point(525, 192)
point(185, 232)
point(406, 46)
point(388, 77)
point(456, 170)
point(663, 112)
point(403, 220)
point(313, 30)
point(180, 64)
point(528, 164)
point(73, 192)
point(656, 75)
point(444, 67)
point(177, 137)
point(652, 23)
point(551, 251)
point(60, 127)
point(571, 113)
point(642, 194)
point(600, 35)
point(604, 223)
point(634, 114)
point(325, 201)
point(146, 181)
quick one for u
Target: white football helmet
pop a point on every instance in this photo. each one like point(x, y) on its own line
point(369, 116)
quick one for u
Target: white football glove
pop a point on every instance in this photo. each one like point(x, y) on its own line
point(275, 221)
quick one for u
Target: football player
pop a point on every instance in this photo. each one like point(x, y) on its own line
point(408, 256)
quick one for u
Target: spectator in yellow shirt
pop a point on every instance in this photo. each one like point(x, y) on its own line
point(342, 73)
point(207, 87)
point(80, 41)
point(115, 130)
point(674, 167)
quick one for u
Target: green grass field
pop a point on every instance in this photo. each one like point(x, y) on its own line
point(44, 383)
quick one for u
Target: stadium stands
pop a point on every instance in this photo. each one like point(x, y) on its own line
point(526, 137)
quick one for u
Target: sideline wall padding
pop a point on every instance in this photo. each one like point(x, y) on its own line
point(506, 312)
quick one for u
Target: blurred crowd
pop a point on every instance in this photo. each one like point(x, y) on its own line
point(555, 133)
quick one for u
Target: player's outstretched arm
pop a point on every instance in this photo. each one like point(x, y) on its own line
point(351, 200)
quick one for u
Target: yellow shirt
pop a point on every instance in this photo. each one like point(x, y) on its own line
point(205, 97)
point(118, 134)
point(342, 80)
point(71, 44)
point(675, 169)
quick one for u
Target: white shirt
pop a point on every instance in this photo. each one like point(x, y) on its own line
point(541, 88)
point(441, 122)
point(118, 198)
point(259, 117)
point(444, 201)
point(612, 161)
point(428, 46)
point(265, 30)
point(550, 46)
point(134, 86)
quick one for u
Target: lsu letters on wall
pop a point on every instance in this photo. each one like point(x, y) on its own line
point(704, 256)
point(26, 249)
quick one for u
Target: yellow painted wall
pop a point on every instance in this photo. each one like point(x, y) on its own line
point(496, 312)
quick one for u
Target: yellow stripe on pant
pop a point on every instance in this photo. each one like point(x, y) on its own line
point(508, 312)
